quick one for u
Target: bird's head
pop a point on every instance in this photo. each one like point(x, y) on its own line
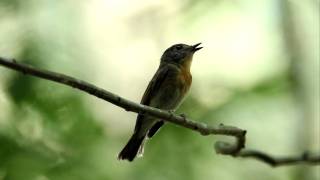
point(180, 54)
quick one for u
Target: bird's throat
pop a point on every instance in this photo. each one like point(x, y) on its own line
point(186, 65)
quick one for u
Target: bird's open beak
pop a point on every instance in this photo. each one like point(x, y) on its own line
point(196, 48)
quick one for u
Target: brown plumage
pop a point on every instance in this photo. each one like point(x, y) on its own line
point(166, 91)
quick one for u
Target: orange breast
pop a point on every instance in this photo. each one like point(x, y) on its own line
point(185, 79)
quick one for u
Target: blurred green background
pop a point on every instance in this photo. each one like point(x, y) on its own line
point(258, 70)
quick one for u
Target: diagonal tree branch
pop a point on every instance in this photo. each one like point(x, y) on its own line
point(225, 148)
point(135, 107)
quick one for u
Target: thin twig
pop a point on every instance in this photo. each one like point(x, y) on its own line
point(225, 148)
point(305, 158)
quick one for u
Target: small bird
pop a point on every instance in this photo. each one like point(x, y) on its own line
point(166, 91)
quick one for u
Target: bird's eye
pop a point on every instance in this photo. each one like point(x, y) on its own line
point(178, 47)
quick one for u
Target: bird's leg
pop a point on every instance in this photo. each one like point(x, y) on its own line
point(171, 112)
point(183, 116)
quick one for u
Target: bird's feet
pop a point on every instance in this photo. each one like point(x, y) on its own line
point(183, 116)
point(171, 111)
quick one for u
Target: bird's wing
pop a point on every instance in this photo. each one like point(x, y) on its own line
point(155, 128)
point(152, 89)
point(154, 85)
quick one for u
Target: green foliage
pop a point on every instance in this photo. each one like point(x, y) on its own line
point(53, 132)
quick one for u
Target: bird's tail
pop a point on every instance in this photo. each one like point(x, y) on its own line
point(133, 148)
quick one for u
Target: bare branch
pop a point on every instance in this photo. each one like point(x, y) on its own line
point(220, 147)
point(279, 161)
point(135, 107)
